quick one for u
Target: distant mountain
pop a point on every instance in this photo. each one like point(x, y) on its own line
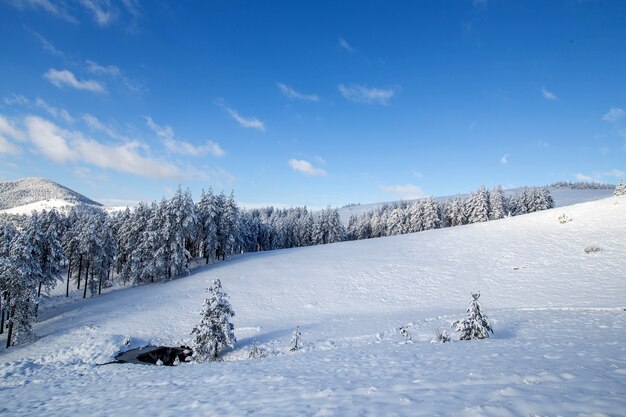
point(26, 194)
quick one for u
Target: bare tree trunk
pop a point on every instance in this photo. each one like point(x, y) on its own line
point(86, 278)
point(80, 269)
point(2, 315)
point(69, 274)
point(39, 290)
point(10, 333)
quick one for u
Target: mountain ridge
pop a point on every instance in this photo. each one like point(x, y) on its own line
point(27, 191)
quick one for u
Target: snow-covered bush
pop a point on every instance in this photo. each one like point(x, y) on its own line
point(591, 249)
point(404, 331)
point(475, 325)
point(256, 352)
point(563, 218)
point(296, 339)
point(215, 331)
point(441, 336)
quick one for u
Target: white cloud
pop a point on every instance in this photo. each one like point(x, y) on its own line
point(291, 93)
point(405, 192)
point(49, 140)
point(582, 177)
point(614, 115)
point(96, 68)
point(103, 11)
point(8, 147)
point(418, 174)
point(319, 159)
point(306, 167)
point(247, 122)
point(505, 159)
point(62, 146)
point(54, 111)
point(67, 78)
point(343, 44)
point(8, 130)
point(16, 99)
point(363, 94)
point(548, 95)
point(166, 134)
point(601, 176)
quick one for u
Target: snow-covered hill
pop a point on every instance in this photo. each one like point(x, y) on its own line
point(27, 194)
point(562, 197)
point(559, 346)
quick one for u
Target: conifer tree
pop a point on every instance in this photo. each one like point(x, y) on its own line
point(214, 331)
point(475, 325)
point(620, 189)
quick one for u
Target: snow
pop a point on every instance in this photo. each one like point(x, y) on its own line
point(27, 209)
point(558, 348)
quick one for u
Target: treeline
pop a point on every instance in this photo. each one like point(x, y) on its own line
point(91, 249)
point(582, 185)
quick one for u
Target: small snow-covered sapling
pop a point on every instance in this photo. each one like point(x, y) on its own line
point(296, 339)
point(475, 325)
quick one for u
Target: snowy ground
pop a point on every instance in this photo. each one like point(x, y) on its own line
point(559, 347)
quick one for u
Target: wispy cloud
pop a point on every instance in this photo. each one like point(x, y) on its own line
point(8, 130)
point(54, 111)
point(405, 192)
point(63, 146)
point(292, 93)
point(601, 176)
point(102, 11)
point(363, 94)
point(505, 159)
point(548, 95)
point(247, 122)
point(166, 134)
point(306, 167)
point(47, 45)
point(57, 9)
point(61, 78)
point(16, 99)
point(97, 125)
point(96, 68)
point(112, 71)
point(343, 44)
point(614, 115)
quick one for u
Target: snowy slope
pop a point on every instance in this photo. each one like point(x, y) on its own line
point(27, 194)
point(559, 346)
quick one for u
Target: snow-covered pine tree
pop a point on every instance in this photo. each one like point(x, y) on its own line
point(214, 331)
point(496, 204)
point(620, 189)
point(20, 275)
point(477, 206)
point(475, 325)
point(455, 212)
point(181, 222)
point(296, 339)
point(430, 214)
point(50, 234)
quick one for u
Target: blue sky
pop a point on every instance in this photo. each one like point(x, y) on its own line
point(325, 102)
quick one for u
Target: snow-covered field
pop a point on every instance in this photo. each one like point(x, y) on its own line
point(559, 347)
